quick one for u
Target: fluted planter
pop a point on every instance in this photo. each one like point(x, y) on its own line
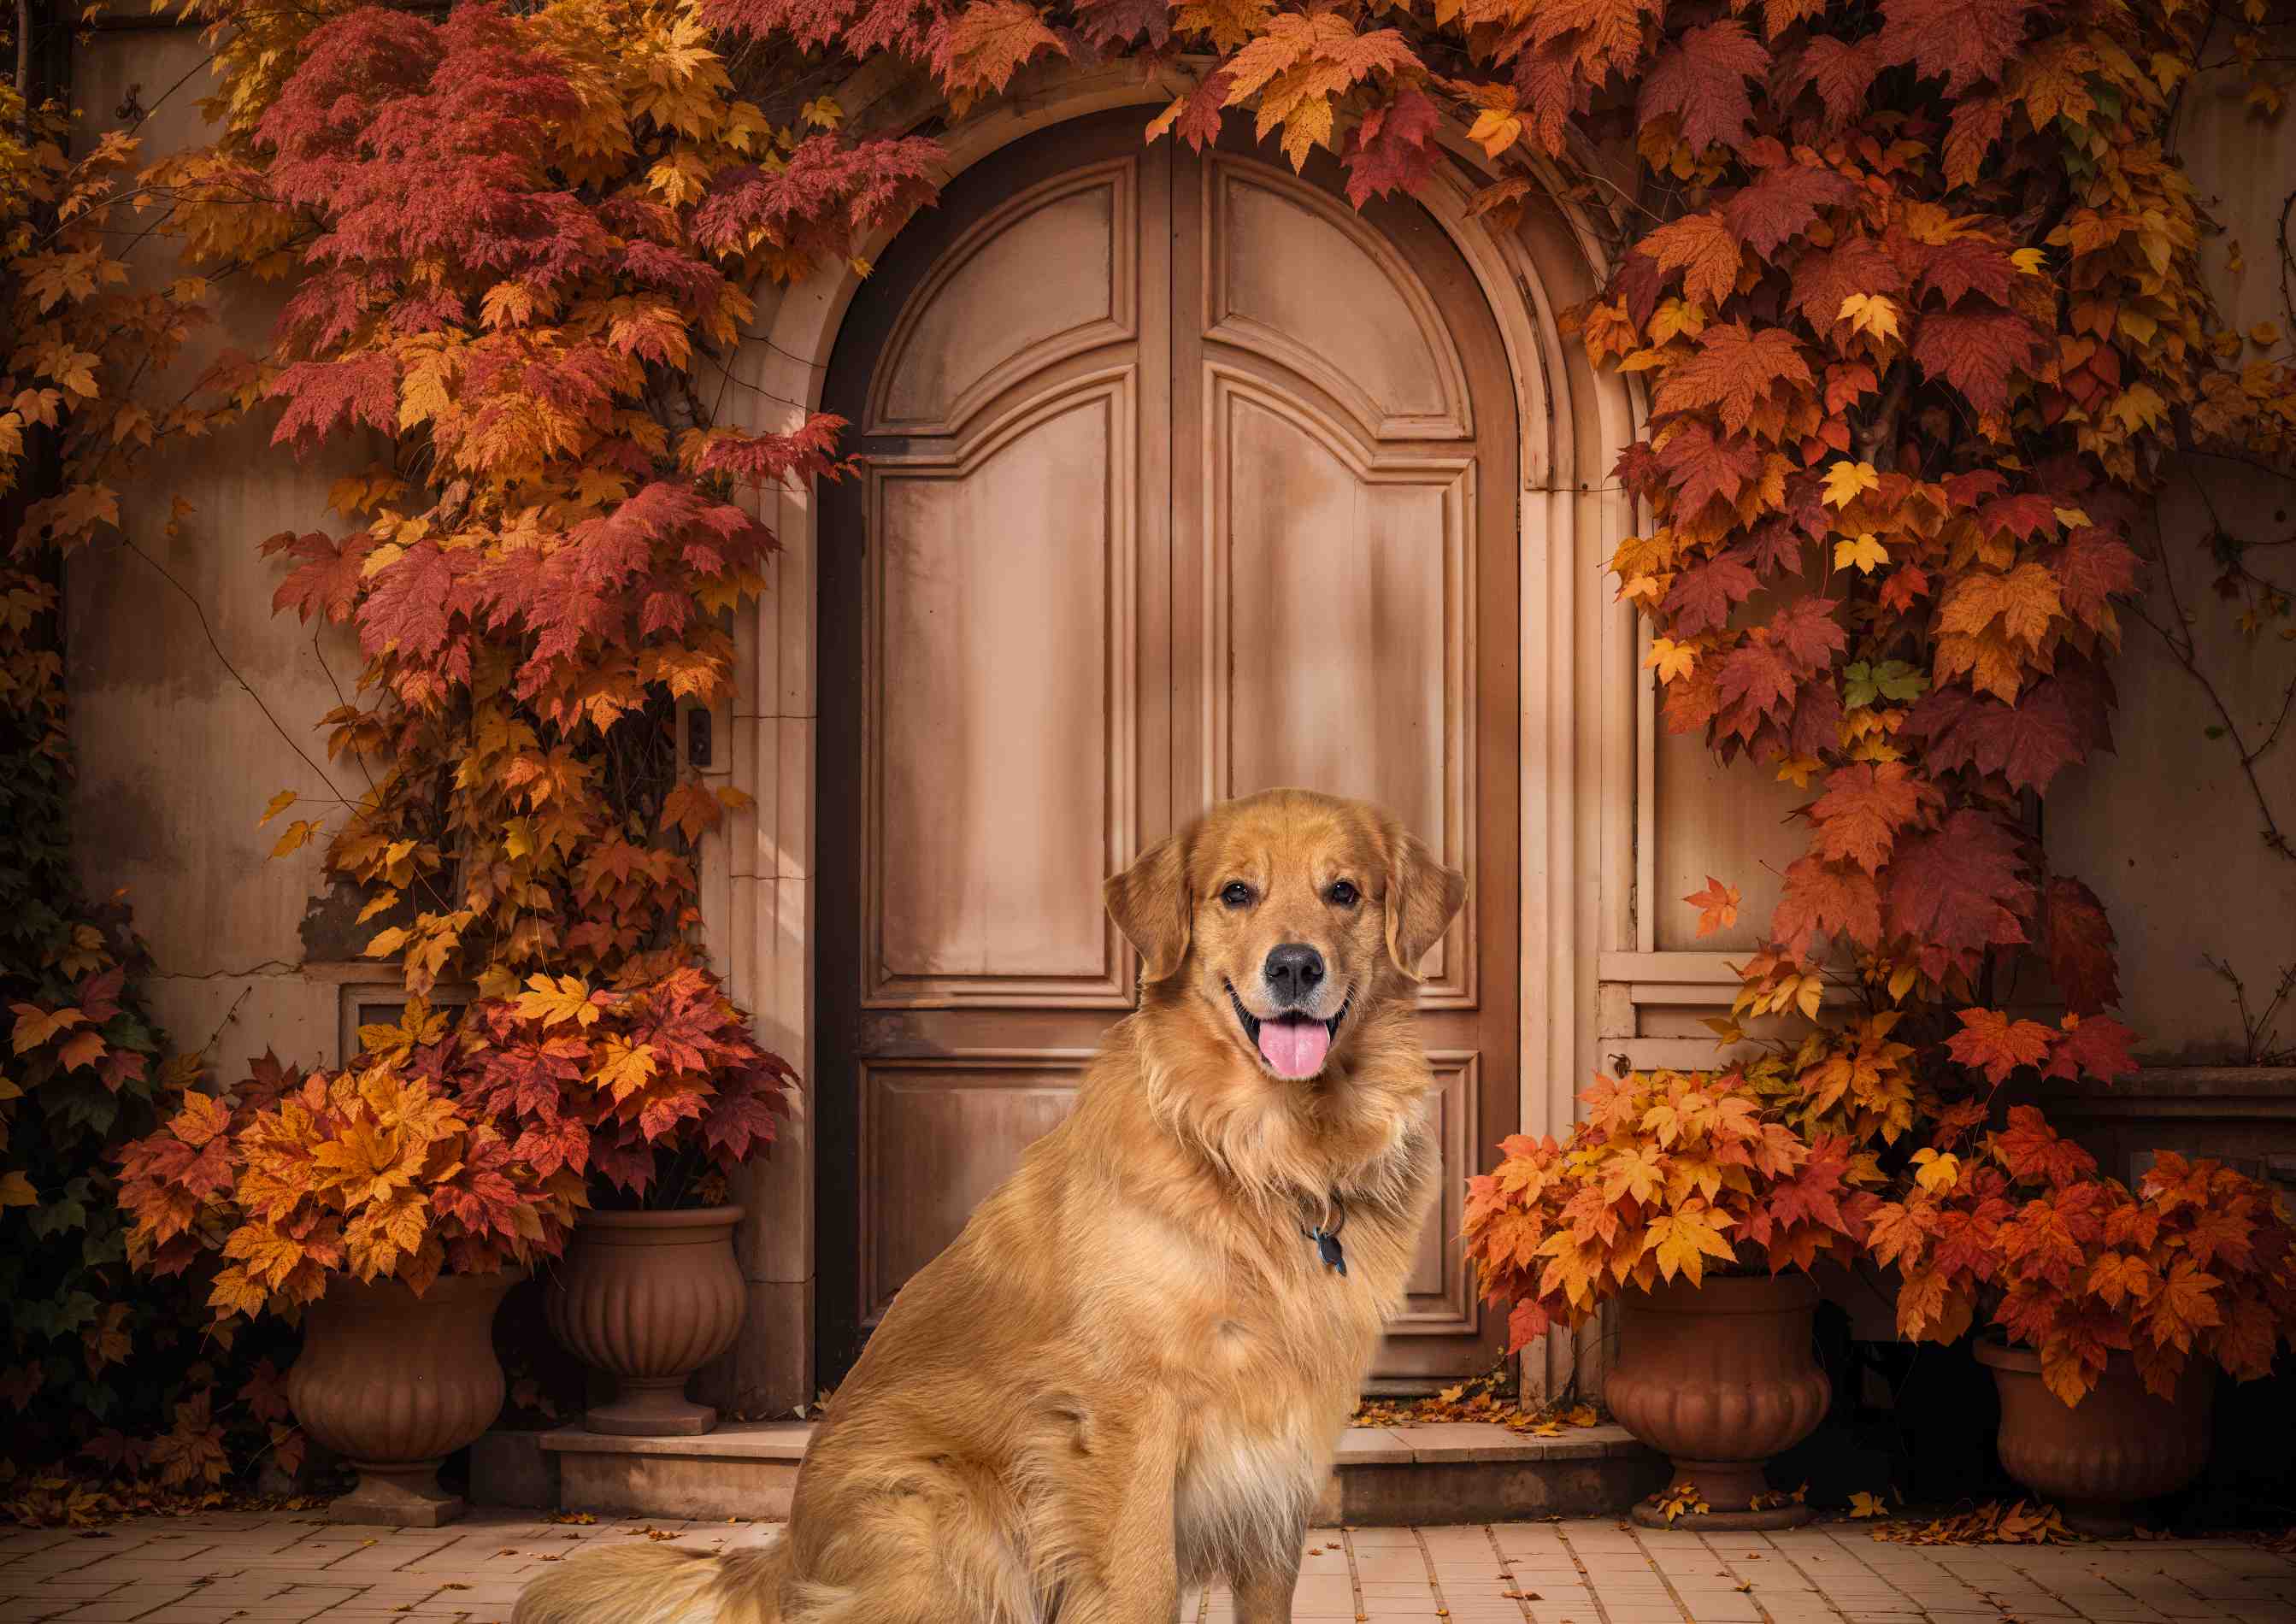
point(1719, 1377)
point(394, 1384)
point(2122, 1445)
point(650, 1298)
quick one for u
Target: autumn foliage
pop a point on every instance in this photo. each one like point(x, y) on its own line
point(2014, 1228)
point(370, 1174)
point(1665, 1174)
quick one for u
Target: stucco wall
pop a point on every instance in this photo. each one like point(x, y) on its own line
point(192, 704)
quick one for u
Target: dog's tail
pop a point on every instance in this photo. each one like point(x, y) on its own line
point(646, 1583)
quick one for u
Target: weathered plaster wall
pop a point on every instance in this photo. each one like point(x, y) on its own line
point(192, 704)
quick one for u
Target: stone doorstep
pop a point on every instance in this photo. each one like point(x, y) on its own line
point(1441, 1472)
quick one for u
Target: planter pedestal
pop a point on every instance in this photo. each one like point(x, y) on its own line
point(394, 1384)
point(650, 1298)
point(2121, 1446)
point(403, 1494)
point(1720, 1377)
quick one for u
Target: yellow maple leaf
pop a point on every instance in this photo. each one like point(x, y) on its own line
point(1846, 481)
point(1865, 1505)
point(233, 1292)
point(1495, 130)
point(1937, 1171)
point(1863, 552)
point(1672, 658)
point(36, 1026)
point(623, 1067)
point(1870, 313)
point(1683, 1240)
point(551, 1002)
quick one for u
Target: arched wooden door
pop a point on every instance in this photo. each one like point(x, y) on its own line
point(1181, 479)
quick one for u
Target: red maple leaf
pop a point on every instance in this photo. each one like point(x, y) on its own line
point(2031, 1149)
point(1952, 268)
point(1991, 1042)
point(1700, 246)
point(1756, 680)
point(1826, 898)
point(323, 397)
point(327, 578)
point(1956, 890)
point(1526, 1324)
point(1961, 41)
point(1391, 149)
point(822, 199)
point(2080, 945)
point(2023, 516)
point(1978, 122)
point(1782, 202)
point(2038, 1245)
point(1703, 467)
point(2093, 568)
point(1809, 632)
point(1977, 350)
point(1839, 70)
point(1733, 369)
point(1824, 277)
point(1864, 805)
point(2094, 1046)
point(2054, 724)
point(1702, 78)
point(1111, 24)
point(410, 603)
point(1702, 595)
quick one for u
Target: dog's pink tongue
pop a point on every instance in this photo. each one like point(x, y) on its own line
point(1295, 1047)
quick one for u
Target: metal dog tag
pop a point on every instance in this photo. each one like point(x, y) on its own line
point(1327, 1247)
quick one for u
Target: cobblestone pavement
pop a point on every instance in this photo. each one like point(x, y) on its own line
point(278, 1568)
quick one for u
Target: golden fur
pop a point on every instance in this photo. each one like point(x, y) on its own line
point(1128, 1375)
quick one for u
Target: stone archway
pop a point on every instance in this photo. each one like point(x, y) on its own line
point(1576, 720)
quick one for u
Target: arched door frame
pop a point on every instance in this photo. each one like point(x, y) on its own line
point(1582, 709)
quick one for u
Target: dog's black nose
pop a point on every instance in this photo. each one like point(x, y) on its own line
point(1293, 973)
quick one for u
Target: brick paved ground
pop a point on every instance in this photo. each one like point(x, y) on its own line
point(277, 1569)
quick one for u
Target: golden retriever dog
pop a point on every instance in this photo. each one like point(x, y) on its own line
point(1130, 1372)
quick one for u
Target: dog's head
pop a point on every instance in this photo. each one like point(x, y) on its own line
point(1290, 918)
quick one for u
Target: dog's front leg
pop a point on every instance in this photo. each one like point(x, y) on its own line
point(1130, 1571)
point(1264, 1585)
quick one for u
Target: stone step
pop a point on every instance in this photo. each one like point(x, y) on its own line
point(1439, 1473)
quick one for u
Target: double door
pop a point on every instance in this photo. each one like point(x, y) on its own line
point(1181, 478)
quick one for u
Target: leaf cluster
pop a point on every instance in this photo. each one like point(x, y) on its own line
point(1667, 1175)
point(378, 1173)
point(2017, 1224)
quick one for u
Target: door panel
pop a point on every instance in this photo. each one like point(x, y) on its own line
point(1346, 599)
point(1182, 480)
point(997, 596)
point(932, 1128)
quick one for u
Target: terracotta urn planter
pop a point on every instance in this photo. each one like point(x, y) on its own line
point(650, 1298)
point(1719, 1377)
point(394, 1384)
point(2098, 1460)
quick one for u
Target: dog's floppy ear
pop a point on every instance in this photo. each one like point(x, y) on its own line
point(1421, 897)
point(1150, 905)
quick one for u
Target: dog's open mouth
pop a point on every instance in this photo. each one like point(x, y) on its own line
point(1293, 1046)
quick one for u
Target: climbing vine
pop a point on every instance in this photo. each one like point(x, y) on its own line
point(1910, 287)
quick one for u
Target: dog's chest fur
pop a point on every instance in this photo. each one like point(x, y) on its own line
point(1278, 1366)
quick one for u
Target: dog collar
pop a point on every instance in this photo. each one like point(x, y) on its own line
point(1326, 1236)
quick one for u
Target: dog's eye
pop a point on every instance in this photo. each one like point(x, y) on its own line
point(1236, 894)
point(1343, 894)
